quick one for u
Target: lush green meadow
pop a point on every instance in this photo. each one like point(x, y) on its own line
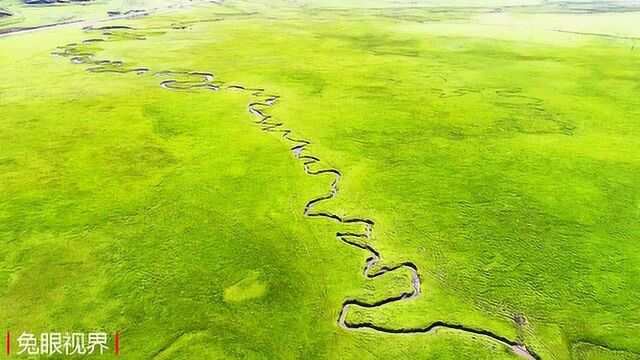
point(500, 152)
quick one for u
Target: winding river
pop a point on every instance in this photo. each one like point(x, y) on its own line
point(258, 107)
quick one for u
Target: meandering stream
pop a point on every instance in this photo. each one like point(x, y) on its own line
point(259, 105)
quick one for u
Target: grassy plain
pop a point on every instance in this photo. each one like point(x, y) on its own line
point(498, 154)
point(41, 14)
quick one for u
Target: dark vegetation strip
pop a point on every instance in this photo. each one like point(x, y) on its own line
point(17, 30)
point(5, 13)
point(612, 36)
point(199, 80)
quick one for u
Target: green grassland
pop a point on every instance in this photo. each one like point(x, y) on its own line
point(42, 14)
point(498, 154)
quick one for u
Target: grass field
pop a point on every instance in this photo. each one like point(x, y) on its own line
point(499, 152)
